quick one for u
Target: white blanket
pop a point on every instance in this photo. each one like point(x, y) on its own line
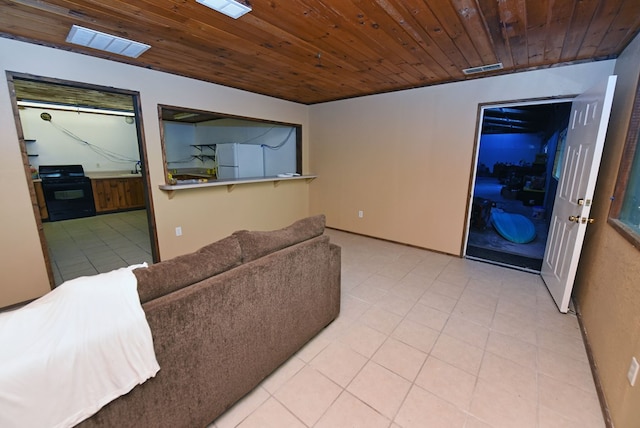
point(67, 354)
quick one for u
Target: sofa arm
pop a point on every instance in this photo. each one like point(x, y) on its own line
point(335, 272)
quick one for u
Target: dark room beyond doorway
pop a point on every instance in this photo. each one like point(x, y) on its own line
point(515, 182)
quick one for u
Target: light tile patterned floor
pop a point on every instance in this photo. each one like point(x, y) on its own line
point(430, 340)
point(92, 245)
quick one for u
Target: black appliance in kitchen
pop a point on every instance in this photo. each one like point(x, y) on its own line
point(67, 192)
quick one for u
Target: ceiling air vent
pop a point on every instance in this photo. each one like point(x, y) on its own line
point(105, 42)
point(483, 68)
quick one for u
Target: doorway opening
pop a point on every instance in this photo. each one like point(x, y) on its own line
point(515, 181)
point(74, 133)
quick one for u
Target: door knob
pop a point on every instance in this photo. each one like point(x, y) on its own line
point(578, 219)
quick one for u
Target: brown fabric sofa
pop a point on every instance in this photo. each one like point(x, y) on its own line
point(225, 317)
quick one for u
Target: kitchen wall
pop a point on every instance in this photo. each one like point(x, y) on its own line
point(607, 287)
point(108, 143)
point(405, 158)
point(204, 214)
point(279, 156)
point(178, 138)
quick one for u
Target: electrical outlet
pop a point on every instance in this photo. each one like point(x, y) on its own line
point(179, 231)
point(632, 374)
point(360, 214)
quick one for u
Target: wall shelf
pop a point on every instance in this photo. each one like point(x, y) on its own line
point(201, 146)
point(204, 156)
point(29, 154)
point(231, 184)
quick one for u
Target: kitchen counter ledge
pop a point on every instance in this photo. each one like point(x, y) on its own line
point(103, 175)
point(171, 188)
point(111, 174)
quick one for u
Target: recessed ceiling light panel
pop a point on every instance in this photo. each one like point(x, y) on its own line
point(231, 8)
point(105, 42)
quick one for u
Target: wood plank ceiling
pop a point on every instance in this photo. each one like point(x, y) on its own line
point(313, 51)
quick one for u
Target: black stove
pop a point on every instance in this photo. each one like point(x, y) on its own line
point(67, 192)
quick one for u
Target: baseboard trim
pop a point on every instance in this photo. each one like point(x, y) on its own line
point(393, 242)
point(604, 407)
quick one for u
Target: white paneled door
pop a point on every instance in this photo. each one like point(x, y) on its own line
point(570, 218)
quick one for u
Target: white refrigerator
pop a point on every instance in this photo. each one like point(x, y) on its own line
point(239, 160)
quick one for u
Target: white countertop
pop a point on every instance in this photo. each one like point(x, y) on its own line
point(111, 174)
point(171, 188)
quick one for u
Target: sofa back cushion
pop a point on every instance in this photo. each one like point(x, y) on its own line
point(255, 244)
point(170, 275)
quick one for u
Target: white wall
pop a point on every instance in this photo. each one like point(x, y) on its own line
point(276, 161)
point(99, 132)
point(179, 138)
point(405, 158)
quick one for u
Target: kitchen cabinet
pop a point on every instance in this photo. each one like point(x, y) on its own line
point(118, 194)
point(42, 205)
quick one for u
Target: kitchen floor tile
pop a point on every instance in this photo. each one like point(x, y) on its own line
point(92, 245)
